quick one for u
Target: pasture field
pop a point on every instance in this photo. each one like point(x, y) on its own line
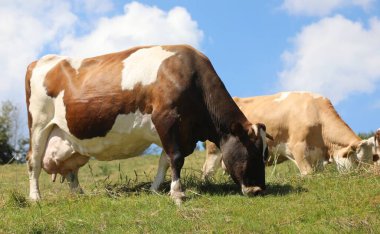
point(117, 200)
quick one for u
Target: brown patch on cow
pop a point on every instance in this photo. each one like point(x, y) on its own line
point(92, 95)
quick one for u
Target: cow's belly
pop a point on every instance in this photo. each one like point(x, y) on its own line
point(280, 152)
point(130, 136)
point(313, 155)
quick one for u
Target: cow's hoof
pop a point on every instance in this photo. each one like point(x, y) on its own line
point(251, 191)
point(177, 197)
point(78, 191)
point(154, 188)
point(35, 197)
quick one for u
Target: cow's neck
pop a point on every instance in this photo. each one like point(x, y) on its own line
point(222, 109)
point(336, 133)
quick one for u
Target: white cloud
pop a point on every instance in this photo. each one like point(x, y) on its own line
point(30, 28)
point(321, 7)
point(335, 57)
point(139, 25)
point(26, 28)
point(96, 6)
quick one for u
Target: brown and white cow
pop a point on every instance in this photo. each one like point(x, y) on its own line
point(375, 143)
point(306, 129)
point(116, 105)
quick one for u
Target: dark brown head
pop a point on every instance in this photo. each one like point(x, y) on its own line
point(244, 152)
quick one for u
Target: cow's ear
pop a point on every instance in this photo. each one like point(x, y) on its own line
point(354, 147)
point(377, 134)
point(254, 131)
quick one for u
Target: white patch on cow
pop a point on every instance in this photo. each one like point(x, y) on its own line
point(60, 112)
point(282, 97)
point(38, 105)
point(75, 62)
point(129, 136)
point(263, 137)
point(255, 129)
point(285, 95)
point(314, 95)
point(142, 66)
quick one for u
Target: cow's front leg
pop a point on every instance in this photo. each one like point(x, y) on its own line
point(163, 166)
point(176, 192)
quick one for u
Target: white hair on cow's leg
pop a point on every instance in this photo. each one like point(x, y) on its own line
point(176, 192)
point(163, 166)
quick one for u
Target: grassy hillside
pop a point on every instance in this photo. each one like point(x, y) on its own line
point(117, 201)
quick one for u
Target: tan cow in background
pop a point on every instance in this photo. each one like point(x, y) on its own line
point(375, 143)
point(306, 129)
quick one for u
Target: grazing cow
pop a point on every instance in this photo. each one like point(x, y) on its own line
point(375, 143)
point(116, 105)
point(306, 129)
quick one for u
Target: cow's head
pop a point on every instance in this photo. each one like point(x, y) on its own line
point(347, 158)
point(376, 148)
point(244, 153)
point(377, 138)
point(364, 151)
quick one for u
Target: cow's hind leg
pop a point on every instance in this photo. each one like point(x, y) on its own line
point(163, 166)
point(36, 151)
point(72, 179)
point(212, 163)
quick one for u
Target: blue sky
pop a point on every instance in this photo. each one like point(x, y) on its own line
point(257, 47)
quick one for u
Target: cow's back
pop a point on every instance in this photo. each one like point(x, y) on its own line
point(285, 114)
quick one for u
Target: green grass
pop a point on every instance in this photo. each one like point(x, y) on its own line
point(117, 200)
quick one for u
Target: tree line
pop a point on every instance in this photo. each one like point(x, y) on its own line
point(13, 143)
